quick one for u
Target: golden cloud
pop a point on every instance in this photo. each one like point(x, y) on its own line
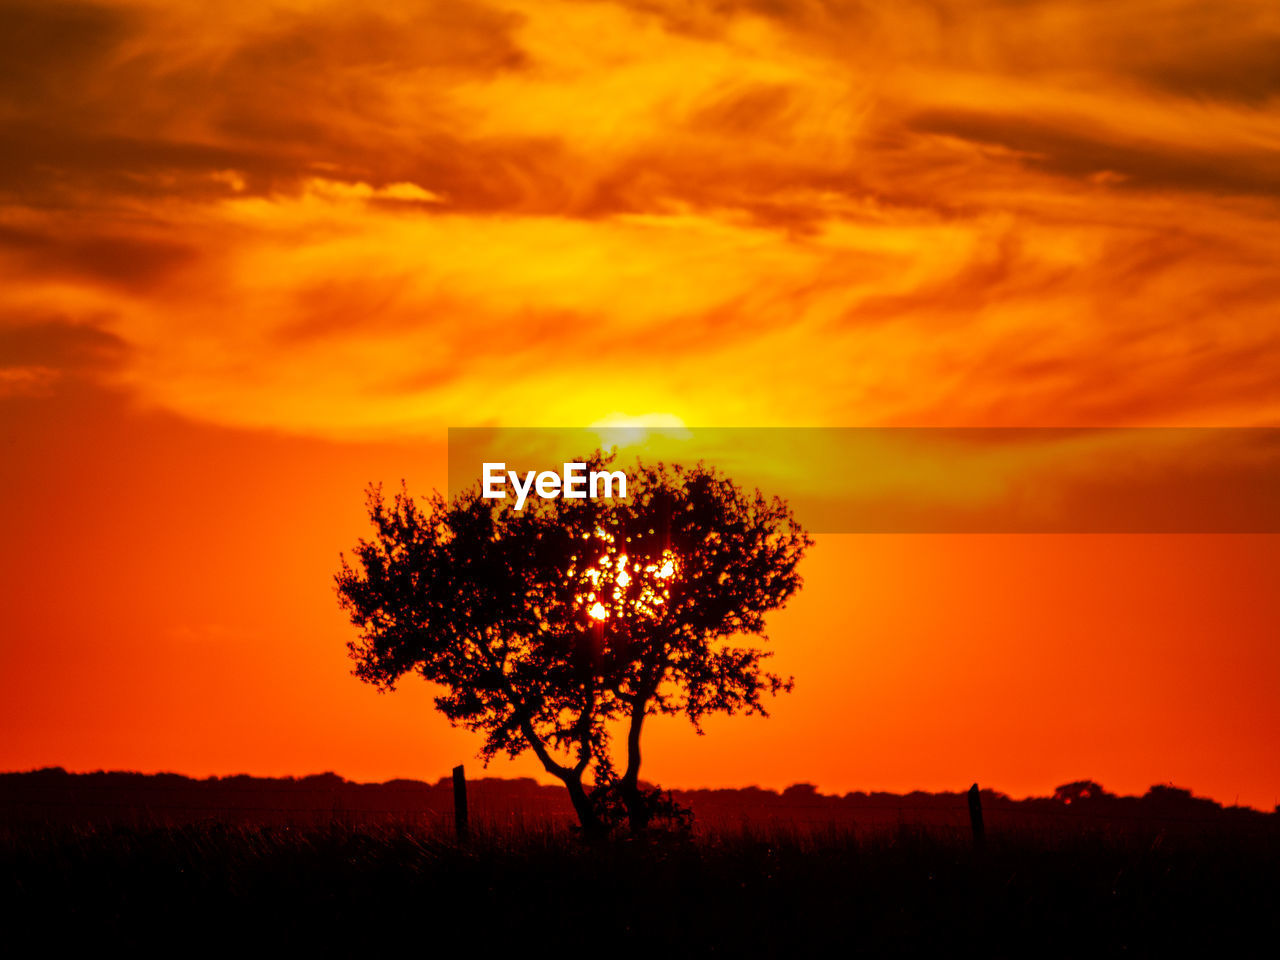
point(308, 218)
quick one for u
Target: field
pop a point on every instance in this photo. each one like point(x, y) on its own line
point(216, 886)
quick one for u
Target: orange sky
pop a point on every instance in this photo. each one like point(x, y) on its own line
point(253, 258)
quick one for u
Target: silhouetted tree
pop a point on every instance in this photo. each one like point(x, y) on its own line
point(549, 625)
point(1080, 790)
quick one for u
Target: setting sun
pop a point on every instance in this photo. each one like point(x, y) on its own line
point(615, 585)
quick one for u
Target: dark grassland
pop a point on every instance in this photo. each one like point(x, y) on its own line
point(214, 887)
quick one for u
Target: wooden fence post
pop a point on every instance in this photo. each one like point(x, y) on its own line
point(975, 817)
point(459, 803)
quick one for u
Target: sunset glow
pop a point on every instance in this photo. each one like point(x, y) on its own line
point(606, 583)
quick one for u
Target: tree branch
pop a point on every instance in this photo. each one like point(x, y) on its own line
point(523, 713)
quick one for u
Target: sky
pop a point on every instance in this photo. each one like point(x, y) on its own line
point(256, 256)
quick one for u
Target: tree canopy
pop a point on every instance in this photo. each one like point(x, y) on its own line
point(555, 627)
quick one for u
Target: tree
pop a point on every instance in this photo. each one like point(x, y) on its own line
point(1080, 790)
point(547, 627)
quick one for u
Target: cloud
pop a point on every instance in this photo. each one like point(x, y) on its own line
point(136, 98)
point(113, 259)
point(37, 354)
point(307, 218)
point(60, 344)
point(48, 47)
point(1065, 148)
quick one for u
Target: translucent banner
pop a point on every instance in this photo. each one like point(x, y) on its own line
point(924, 480)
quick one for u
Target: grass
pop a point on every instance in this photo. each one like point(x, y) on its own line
point(763, 892)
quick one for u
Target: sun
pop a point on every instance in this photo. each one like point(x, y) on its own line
point(617, 585)
point(622, 431)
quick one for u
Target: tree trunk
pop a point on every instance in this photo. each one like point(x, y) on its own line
point(592, 828)
point(571, 777)
point(638, 812)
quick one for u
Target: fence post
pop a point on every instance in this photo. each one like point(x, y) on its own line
point(975, 817)
point(459, 803)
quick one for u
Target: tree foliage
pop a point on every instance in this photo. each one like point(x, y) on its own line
point(555, 627)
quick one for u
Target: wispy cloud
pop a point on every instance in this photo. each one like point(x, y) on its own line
point(306, 218)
